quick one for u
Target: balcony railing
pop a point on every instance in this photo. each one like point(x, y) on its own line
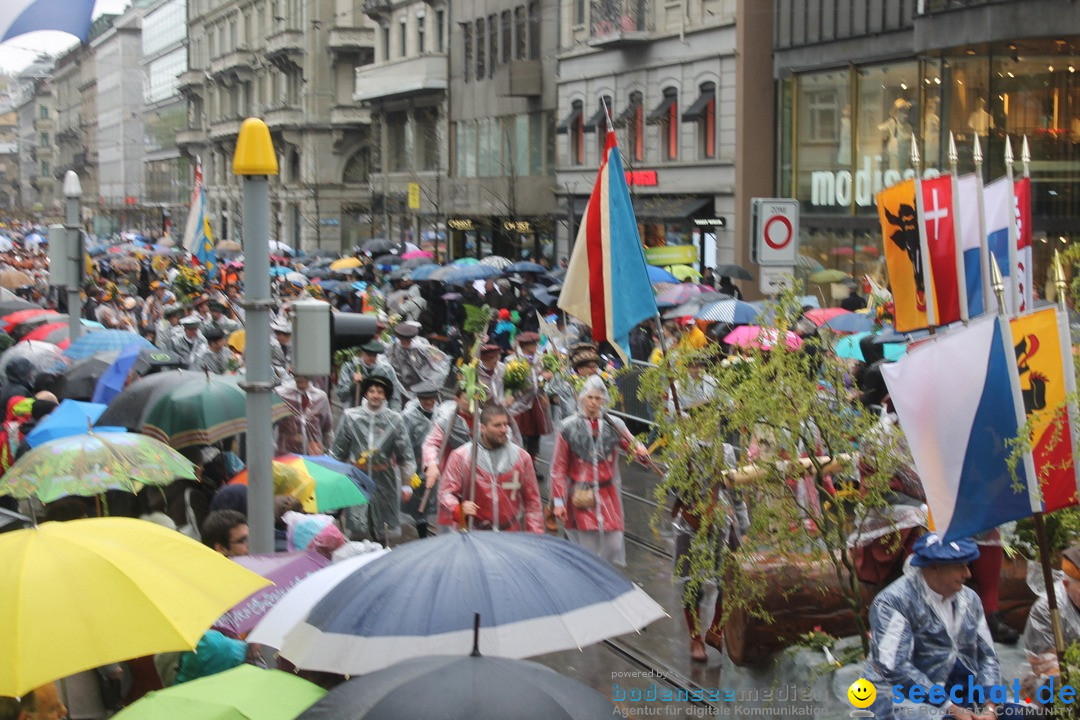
point(350, 115)
point(400, 78)
point(377, 8)
point(929, 7)
point(284, 117)
point(190, 80)
point(225, 128)
point(285, 42)
point(235, 61)
point(614, 23)
point(350, 39)
point(191, 136)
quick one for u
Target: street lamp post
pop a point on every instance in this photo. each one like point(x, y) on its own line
point(72, 196)
point(255, 161)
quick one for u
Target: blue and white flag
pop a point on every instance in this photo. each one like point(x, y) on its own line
point(998, 206)
point(972, 245)
point(198, 239)
point(959, 403)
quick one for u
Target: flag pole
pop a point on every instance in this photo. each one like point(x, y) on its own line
point(924, 246)
point(958, 240)
point(984, 250)
point(1041, 540)
point(1014, 261)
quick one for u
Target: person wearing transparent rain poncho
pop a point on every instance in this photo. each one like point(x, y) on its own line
point(585, 483)
point(1039, 633)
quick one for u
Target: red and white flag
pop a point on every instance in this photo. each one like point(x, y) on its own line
point(1024, 261)
point(939, 223)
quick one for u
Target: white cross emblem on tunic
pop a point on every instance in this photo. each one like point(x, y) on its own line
point(512, 486)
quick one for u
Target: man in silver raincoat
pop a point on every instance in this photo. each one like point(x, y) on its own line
point(369, 362)
point(419, 415)
point(927, 629)
point(374, 437)
point(414, 360)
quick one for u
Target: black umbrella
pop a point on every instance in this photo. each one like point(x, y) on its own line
point(9, 306)
point(735, 272)
point(379, 245)
point(78, 381)
point(462, 688)
point(13, 521)
point(127, 408)
point(152, 360)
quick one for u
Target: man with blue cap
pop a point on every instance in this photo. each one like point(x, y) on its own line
point(928, 628)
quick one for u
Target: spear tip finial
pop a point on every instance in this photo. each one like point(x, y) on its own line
point(977, 152)
point(1025, 152)
point(915, 159)
point(954, 157)
point(1009, 158)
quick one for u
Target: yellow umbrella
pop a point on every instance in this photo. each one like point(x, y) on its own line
point(85, 593)
point(684, 271)
point(346, 263)
point(237, 340)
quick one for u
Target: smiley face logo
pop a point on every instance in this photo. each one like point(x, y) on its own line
point(862, 693)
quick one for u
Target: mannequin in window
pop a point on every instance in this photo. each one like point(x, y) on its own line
point(843, 152)
point(981, 122)
point(896, 135)
point(932, 146)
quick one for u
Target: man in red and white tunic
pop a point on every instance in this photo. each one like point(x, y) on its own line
point(505, 495)
point(585, 483)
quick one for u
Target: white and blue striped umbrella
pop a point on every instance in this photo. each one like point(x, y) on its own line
point(535, 594)
point(103, 340)
point(735, 312)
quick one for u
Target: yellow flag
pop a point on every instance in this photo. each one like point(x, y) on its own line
point(903, 255)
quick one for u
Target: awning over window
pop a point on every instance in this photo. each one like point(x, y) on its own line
point(661, 111)
point(596, 121)
point(571, 119)
point(626, 115)
point(695, 111)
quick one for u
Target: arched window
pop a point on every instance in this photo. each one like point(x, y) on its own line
point(666, 115)
point(358, 168)
point(703, 112)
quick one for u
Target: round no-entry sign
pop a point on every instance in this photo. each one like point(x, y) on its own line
point(776, 231)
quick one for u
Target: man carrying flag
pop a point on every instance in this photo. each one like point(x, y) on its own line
point(607, 255)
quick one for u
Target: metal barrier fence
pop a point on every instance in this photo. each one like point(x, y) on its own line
point(630, 407)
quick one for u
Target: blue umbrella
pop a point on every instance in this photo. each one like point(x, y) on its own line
point(280, 270)
point(848, 347)
point(354, 473)
point(103, 340)
point(71, 417)
point(70, 16)
point(525, 266)
point(852, 323)
point(470, 273)
point(659, 274)
point(113, 380)
point(534, 593)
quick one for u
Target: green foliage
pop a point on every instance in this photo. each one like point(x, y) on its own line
point(781, 405)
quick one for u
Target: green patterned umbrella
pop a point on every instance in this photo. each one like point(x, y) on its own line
point(92, 463)
point(201, 411)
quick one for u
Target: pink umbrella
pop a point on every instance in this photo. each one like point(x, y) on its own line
point(820, 316)
point(285, 569)
point(756, 336)
point(417, 254)
point(843, 250)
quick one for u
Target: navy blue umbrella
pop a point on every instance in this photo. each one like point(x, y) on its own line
point(535, 594)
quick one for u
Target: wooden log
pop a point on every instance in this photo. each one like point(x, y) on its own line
point(803, 594)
